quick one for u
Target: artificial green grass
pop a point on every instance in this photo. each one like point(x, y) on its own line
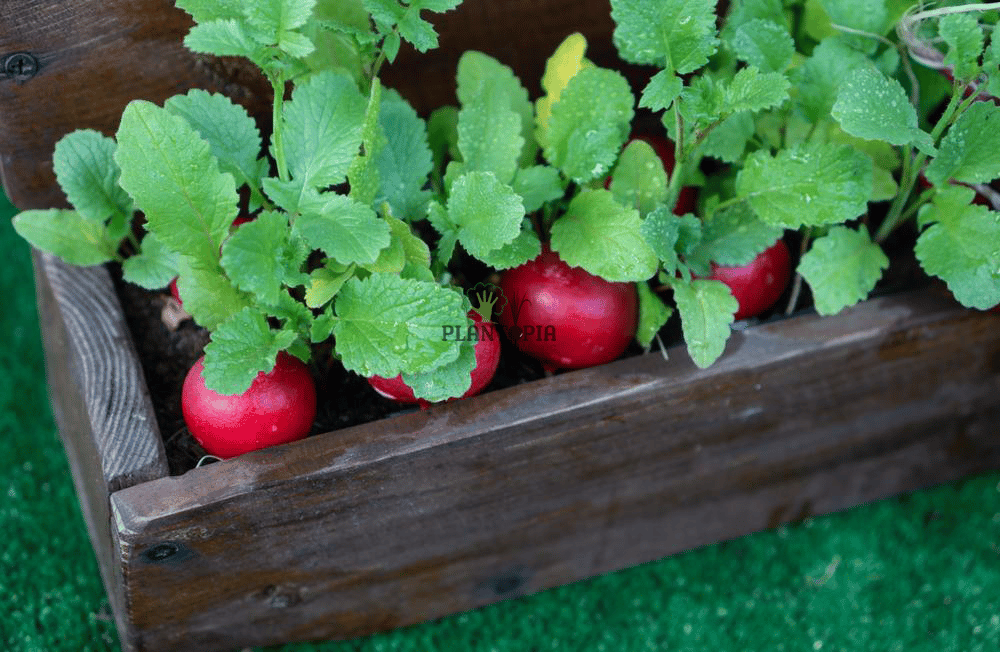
point(916, 573)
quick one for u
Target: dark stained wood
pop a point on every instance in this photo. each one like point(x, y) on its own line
point(93, 57)
point(539, 485)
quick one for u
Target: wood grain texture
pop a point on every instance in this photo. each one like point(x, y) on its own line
point(94, 56)
point(92, 355)
point(535, 486)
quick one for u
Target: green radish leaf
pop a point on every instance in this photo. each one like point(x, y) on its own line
point(273, 19)
point(842, 268)
point(259, 257)
point(604, 238)
point(325, 283)
point(204, 11)
point(968, 152)
point(584, 136)
point(489, 135)
point(678, 35)
point(962, 247)
point(230, 132)
point(728, 141)
point(764, 44)
point(486, 213)
point(753, 90)
point(170, 172)
point(661, 91)
point(225, 37)
point(242, 347)
point(869, 16)
point(86, 171)
point(405, 162)
point(481, 75)
point(537, 185)
point(819, 79)
point(639, 179)
point(653, 314)
point(442, 135)
point(661, 230)
point(870, 105)
point(732, 237)
point(811, 185)
point(450, 380)
point(964, 37)
point(707, 308)
point(363, 174)
point(387, 325)
point(154, 267)
point(526, 246)
point(344, 229)
point(322, 129)
point(209, 296)
point(67, 234)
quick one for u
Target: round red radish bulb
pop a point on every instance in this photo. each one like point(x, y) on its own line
point(566, 317)
point(759, 284)
point(487, 359)
point(279, 407)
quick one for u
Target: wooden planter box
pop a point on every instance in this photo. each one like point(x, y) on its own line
point(430, 513)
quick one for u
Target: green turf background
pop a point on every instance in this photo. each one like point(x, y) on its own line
point(921, 572)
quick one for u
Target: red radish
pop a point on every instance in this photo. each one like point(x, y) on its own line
point(487, 359)
point(279, 407)
point(173, 283)
point(566, 317)
point(759, 284)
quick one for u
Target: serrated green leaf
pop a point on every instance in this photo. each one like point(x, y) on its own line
point(661, 230)
point(864, 15)
point(241, 347)
point(442, 134)
point(764, 44)
point(728, 141)
point(363, 174)
point(387, 325)
point(67, 234)
point(449, 380)
point(603, 237)
point(86, 171)
point(752, 90)
point(224, 38)
point(968, 152)
point(872, 106)
point(325, 282)
point(405, 162)
point(537, 185)
point(678, 35)
point(275, 17)
point(584, 136)
point(438, 216)
point(322, 130)
point(526, 246)
point(170, 172)
point(962, 247)
point(661, 91)
point(819, 79)
point(732, 237)
point(707, 308)
point(639, 179)
point(257, 256)
point(842, 268)
point(153, 267)
point(208, 294)
point(489, 135)
point(653, 314)
point(230, 132)
point(346, 230)
point(206, 10)
point(964, 37)
point(487, 213)
point(807, 185)
point(480, 74)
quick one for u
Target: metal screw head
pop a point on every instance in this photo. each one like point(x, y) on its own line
point(20, 66)
point(160, 552)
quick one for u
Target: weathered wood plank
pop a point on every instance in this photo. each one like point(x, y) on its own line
point(539, 485)
point(83, 61)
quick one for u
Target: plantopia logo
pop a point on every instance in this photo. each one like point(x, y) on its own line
point(489, 301)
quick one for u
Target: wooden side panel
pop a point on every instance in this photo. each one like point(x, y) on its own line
point(427, 514)
point(74, 65)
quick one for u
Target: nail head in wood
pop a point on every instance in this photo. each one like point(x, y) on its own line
point(20, 66)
